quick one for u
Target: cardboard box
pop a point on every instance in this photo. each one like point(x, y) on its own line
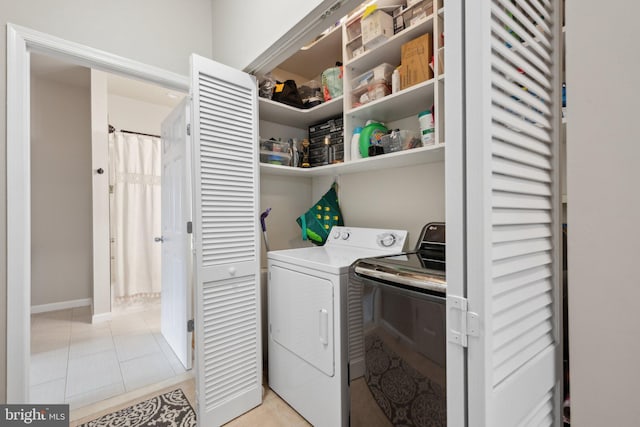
point(416, 55)
point(376, 28)
point(420, 12)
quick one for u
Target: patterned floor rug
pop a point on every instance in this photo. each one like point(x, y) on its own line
point(166, 410)
point(405, 396)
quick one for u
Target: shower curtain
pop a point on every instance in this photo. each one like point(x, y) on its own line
point(135, 167)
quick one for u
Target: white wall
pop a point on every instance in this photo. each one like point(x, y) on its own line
point(399, 198)
point(61, 220)
point(287, 197)
point(135, 115)
point(603, 154)
point(158, 32)
point(253, 30)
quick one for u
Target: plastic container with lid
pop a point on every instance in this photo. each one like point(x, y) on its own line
point(381, 72)
point(371, 134)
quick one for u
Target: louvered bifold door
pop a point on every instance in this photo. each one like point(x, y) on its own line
point(513, 222)
point(225, 227)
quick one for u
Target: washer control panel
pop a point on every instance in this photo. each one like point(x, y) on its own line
point(367, 238)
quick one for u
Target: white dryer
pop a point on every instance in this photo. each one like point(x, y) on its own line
point(307, 311)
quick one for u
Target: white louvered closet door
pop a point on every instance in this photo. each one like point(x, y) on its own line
point(513, 219)
point(226, 192)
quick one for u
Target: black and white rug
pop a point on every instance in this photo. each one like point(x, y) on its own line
point(405, 396)
point(166, 410)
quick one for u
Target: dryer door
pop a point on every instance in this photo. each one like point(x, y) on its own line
point(301, 316)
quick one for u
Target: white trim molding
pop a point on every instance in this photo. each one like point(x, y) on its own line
point(20, 42)
point(101, 318)
point(62, 305)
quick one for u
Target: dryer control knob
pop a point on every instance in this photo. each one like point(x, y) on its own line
point(336, 234)
point(388, 240)
point(345, 235)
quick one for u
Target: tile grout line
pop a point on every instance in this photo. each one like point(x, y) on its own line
point(115, 350)
point(149, 323)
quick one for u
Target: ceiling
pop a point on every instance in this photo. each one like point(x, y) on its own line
point(53, 69)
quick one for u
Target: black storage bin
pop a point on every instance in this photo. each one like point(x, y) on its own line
point(326, 142)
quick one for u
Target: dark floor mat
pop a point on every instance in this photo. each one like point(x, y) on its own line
point(405, 396)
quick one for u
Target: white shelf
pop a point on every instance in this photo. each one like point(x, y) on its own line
point(390, 50)
point(416, 156)
point(283, 114)
point(399, 105)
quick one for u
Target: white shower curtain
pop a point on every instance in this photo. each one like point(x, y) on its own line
point(135, 168)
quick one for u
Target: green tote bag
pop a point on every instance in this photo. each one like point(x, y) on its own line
point(318, 220)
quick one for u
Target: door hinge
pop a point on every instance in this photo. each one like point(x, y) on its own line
point(190, 325)
point(189, 227)
point(462, 322)
point(189, 129)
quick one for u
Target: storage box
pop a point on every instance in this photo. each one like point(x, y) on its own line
point(441, 60)
point(416, 56)
point(420, 12)
point(376, 90)
point(275, 158)
point(376, 28)
point(399, 140)
point(372, 85)
point(381, 72)
point(275, 152)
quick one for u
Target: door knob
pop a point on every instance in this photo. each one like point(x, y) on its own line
point(158, 239)
point(100, 171)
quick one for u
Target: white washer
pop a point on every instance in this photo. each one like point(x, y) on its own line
point(307, 310)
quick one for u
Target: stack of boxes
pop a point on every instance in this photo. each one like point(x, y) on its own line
point(378, 26)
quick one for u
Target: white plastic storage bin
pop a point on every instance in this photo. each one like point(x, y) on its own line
point(381, 72)
point(371, 92)
point(377, 27)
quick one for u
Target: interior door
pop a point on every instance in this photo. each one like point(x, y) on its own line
point(513, 222)
point(177, 289)
point(226, 240)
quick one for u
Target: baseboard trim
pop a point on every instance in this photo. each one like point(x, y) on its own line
point(62, 305)
point(102, 317)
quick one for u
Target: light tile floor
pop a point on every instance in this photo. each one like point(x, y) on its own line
point(76, 362)
point(273, 412)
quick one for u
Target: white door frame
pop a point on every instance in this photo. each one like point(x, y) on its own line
point(455, 179)
point(20, 42)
